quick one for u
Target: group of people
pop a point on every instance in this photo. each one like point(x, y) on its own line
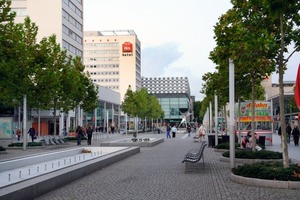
point(248, 143)
point(173, 129)
point(82, 131)
point(294, 132)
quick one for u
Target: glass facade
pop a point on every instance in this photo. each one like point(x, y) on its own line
point(173, 107)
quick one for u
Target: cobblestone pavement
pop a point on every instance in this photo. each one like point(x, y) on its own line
point(157, 173)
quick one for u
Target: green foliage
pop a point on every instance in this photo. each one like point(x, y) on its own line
point(70, 138)
point(30, 144)
point(140, 104)
point(226, 145)
point(41, 71)
point(197, 108)
point(269, 171)
point(2, 148)
point(263, 154)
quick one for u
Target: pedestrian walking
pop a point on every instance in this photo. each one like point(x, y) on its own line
point(89, 132)
point(31, 132)
point(112, 128)
point(288, 132)
point(18, 134)
point(79, 134)
point(168, 131)
point(174, 130)
point(189, 129)
point(201, 133)
point(296, 134)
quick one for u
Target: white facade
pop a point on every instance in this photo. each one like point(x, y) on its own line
point(64, 18)
point(113, 59)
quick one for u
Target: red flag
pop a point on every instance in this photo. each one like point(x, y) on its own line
point(297, 90)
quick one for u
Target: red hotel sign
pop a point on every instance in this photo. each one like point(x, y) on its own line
point(126, 47)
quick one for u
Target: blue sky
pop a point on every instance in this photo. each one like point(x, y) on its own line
point(176, 35)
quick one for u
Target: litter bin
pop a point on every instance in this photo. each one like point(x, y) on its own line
point(262, 140)
point(211, 141)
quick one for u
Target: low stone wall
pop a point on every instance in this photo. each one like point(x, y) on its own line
point(265, 183)
point(32, 188)
point(248, 161)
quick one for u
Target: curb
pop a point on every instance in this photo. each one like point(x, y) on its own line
point(265, 183)
point(248, 161)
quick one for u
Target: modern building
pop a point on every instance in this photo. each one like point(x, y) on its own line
point(113, 59)
point(273, 97)
point(174, 96)
point(64, 18)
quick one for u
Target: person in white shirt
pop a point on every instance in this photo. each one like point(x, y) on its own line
point(201, 133)
point(174, 130)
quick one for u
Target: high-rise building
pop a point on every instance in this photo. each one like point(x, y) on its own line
point(113, 59)
point(64, 18)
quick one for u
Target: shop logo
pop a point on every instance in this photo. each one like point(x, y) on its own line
point(127, 47)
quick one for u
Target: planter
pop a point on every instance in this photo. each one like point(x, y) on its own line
point(265, 183)
point(248, 161)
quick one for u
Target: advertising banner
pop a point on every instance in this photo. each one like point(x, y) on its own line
point(262, 111)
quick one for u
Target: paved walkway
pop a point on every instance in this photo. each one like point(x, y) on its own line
point(157, 173)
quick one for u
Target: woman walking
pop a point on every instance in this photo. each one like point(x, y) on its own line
point(296, 134)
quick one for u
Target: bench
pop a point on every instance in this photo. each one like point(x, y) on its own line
point(194, 157)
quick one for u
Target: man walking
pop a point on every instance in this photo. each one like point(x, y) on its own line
point(168, 131)
point(89, 132)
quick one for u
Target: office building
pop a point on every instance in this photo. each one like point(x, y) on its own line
point(64, 18)
point(113, 59)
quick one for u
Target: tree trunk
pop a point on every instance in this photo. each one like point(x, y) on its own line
point(225, 120)
point(281, 99)
point(239, 123)
point(54, 119)
point(253, 114)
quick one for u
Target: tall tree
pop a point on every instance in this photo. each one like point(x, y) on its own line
point(285, 17)
point(242, 35)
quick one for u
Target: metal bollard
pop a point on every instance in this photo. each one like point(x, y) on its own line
point(58, 164)
point(19, 174)
point(52, 165)
point(38, 169)
point(28, 171)
point(8, 177)
point(45, 167)
point(65, 162)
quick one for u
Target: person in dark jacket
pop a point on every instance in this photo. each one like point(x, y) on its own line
point(89, 132)
point(79, 135)
point(32, 133)
point(296, 134)
point(288, 132)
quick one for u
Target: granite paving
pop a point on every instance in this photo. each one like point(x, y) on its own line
point(156, 173)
